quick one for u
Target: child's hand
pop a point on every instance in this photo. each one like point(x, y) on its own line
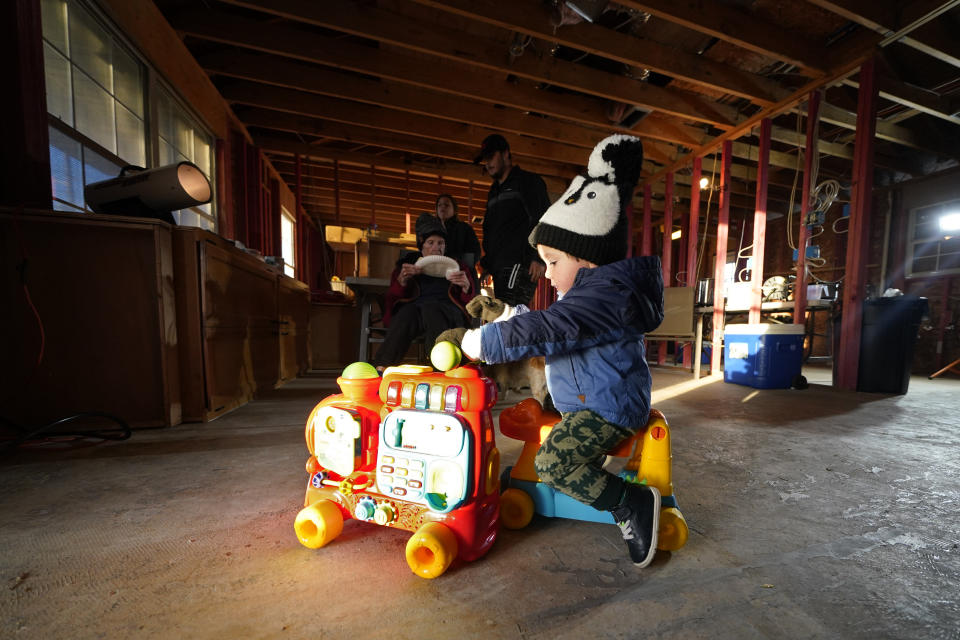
point(451, 335)
point(486, 308)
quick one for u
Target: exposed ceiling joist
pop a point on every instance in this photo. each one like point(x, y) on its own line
point(397, 30)
point(742, 29)
point(403, 91)
point(532, 18)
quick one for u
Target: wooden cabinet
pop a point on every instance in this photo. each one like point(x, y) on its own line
point(98, 330)
point(245, 326)
point(333, 335)
point(293, 314)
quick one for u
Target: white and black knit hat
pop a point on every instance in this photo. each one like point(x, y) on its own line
point(589, 221)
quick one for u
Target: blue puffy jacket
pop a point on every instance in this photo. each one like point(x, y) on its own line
point(592, 339)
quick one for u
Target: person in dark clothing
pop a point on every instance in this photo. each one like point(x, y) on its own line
point(462, 243)
point(515, 202)
point(419, 303)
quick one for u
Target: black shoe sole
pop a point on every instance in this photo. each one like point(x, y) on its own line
point(656, 530)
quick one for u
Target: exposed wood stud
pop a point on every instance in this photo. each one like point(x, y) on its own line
point(858, 235)
point(810, 158)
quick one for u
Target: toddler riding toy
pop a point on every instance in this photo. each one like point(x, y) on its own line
point(649, 462)
point(413, 450)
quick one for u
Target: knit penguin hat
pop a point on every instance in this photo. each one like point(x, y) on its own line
point(589, 221)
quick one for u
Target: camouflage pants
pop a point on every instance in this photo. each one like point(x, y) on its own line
point(570, 459)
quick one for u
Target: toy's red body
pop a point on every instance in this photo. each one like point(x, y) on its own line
point(413, 450)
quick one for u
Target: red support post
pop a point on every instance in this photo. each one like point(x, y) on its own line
point(373, 196)
point(300, 268)
point(723, 229)
point(859, 229)
point(692, 239)
point(693, 225)
point(800, 284)
point(646, 246)
point(336, 188)
point(760, 222)
point(667, 259)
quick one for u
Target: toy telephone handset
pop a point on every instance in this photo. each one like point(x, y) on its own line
point(336, 439)
point(425, 458)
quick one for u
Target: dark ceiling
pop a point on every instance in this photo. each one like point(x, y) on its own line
point(386, 101)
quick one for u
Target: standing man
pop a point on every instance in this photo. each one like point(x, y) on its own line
point(515, 202)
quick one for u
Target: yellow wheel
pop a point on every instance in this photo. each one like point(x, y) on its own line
point(516, 509)
point(673, 530)
point(318, 524)
point(431, 550)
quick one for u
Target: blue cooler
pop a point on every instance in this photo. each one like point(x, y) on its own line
point(763, 356)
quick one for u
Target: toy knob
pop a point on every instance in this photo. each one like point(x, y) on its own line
point(384, 515)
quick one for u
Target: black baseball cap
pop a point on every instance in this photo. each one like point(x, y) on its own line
point(493, 142)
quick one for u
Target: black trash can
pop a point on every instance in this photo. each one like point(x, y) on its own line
point(887, 337)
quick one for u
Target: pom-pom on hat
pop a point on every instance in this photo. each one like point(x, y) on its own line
point(428, 225)
point(589, 221)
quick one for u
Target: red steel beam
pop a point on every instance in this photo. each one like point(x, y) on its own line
point(693, 226)
point(858, 235)
point(299, 247)
point(800, 284)
point(646, 247)
point(667, 259)
point(760, 222)
point(723, 229)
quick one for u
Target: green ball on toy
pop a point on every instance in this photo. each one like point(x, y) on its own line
point(445, 356)
point(359, 370)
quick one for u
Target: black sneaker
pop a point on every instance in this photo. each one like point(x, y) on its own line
point(638, 516)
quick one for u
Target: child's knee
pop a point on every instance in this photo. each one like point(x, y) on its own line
point(547, 465)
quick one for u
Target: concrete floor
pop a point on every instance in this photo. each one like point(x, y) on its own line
point(813, 514)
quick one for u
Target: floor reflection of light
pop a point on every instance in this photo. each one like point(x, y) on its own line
point(674, 390)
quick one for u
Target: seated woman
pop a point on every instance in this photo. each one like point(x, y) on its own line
point(462, 243)
point(421, 301)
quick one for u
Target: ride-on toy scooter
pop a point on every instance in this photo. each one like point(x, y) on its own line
point(649, 463)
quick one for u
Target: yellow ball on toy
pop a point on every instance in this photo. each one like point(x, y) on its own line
point(445, 356)
point(359, 370)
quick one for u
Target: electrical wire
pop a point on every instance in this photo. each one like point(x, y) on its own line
point(28, 435)
point(22, 268)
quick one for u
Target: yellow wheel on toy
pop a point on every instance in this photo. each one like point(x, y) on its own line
point(673, 530)
point(431, 549)
point(516, 509)
point(318, 524)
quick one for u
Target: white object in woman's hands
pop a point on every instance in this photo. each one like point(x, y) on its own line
point(436, 266)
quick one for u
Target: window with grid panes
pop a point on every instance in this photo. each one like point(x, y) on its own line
point(97, 101)
point(180, 139)
point(288, 241)
point(930, 249)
